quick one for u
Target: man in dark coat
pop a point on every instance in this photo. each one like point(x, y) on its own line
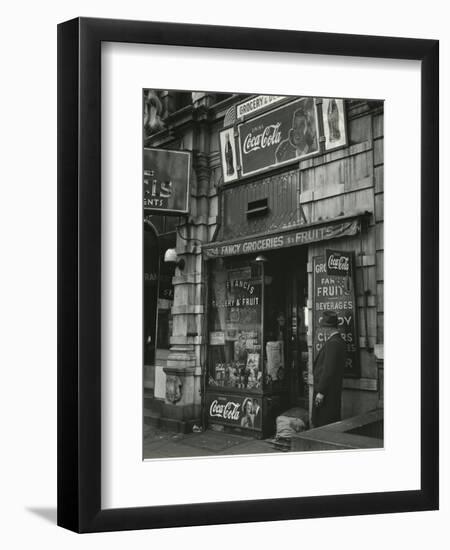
point(328, 372)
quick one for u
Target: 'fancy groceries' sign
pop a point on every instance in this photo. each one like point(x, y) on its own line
point(293, 237)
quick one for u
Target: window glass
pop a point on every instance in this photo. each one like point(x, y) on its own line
point(235, 325)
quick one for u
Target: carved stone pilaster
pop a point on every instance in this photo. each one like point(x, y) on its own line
point(180, 356)
point(181, 408)
point(174, 388)
point(180, 366)
point(202, 172)
point(198, 96)
point(202, 99)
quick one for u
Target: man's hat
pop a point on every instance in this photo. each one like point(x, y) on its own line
point(329, 319)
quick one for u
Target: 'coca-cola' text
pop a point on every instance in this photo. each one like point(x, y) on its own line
point(341, 263)
point(227, 411)
point(270, 135)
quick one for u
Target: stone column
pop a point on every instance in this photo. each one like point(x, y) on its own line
point(202, 99)
point(182, 407)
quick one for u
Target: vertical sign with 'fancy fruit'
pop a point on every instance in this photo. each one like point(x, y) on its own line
point(166, 181)
point(334, 290)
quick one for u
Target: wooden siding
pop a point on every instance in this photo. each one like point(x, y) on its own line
point(360, 129)
point(282, 194)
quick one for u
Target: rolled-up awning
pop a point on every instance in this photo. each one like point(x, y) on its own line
point(343, 226)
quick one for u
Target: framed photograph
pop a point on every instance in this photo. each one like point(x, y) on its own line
point(248, 275)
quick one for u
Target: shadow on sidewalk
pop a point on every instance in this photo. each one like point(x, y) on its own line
point(160, 444)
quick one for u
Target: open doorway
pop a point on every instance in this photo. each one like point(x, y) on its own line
point(158, 294)
point(286, 323)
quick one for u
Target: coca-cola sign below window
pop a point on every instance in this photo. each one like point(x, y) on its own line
point(337, 263)
point(279, 136)
point(237, 410)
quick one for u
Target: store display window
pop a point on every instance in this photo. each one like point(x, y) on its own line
point(235, 325)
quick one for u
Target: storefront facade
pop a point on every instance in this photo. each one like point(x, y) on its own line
point(280, 229)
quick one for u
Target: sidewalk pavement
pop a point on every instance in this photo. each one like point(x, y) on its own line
point(163, 444)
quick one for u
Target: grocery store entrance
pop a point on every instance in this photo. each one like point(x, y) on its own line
point(258, 352)
point(286, 321)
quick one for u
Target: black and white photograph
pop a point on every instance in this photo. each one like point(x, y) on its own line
point(225, 275)
point(263, 249)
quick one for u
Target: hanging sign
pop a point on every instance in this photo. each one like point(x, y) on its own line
point(166, 181)
point(336, 293)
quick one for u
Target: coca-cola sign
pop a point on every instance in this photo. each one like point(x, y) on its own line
point(226, 411)
point(337, 263)
point(267, 137)
point(242, 411)
point(336, 292)
point(228, 155)
point(280, 136)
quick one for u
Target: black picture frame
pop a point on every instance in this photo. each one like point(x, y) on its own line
point(79, 274)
